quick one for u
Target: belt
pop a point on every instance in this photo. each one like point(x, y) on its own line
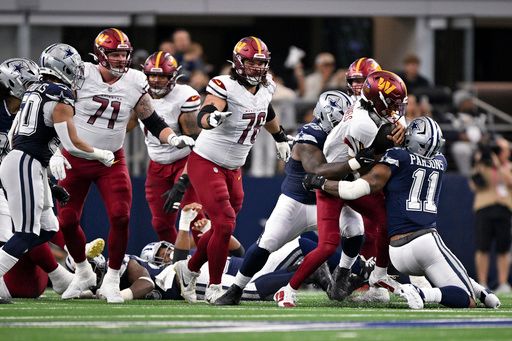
point(402, 239)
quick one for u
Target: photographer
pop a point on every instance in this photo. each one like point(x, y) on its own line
point(492, 183)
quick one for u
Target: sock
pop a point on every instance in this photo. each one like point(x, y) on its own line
point(433, 295)
point(240, 252)
point(6, 262)
point(478, 288)
point(241, 281)
point(82, 267)
point(351, 246)
point(454, 297)
point(346, 261)
point(379, 272)
point(179, 254)
point(60, 278)
point(255, 259)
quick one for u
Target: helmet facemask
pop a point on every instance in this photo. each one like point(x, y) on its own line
point(254, 74)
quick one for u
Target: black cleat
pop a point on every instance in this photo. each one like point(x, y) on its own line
point(232, 296)
point(321, 277)
point(340, 287)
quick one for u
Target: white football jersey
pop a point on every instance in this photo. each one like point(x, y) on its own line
point(229, 144)
point(356, 131)
point(181, 99)
point(102, 111)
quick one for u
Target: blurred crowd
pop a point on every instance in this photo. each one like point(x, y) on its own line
point(465, 127)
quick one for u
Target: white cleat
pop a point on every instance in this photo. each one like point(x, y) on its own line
point(373, 294)
point(489, 299)
point(94, 248)
point(187, 281)
point(213, 292)
point(81, 281)
point(285, 297)
point(412, 295)
point(110, 291)
point(62, 280)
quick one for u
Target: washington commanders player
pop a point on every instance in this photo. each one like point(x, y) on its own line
point(29, 277)
point(178, 105)
point(111, 94)
point(236, 108)
point(357, 73)
point(383, 99)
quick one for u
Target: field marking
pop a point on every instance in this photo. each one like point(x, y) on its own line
point(190, 327)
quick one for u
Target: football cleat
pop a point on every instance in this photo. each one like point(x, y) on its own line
point(373, 294)
point(94, 248)
point(412, 294)
point(109, 290)
point(81, 281)
point(213, 293)
point(321, 277)
point(489, 299)
point(340, 287)
point(187, 281)
point(5, 301)
point(232, 296)
point(286, 297)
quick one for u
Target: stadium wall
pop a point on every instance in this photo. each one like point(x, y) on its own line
point(455, 215)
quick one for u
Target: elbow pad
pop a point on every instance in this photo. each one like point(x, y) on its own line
point(155, 124)
point(351, 190)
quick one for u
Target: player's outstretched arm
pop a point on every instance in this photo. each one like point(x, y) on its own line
point(156, 125)
point(373, 181)
point(141, 282)
point(63, 123)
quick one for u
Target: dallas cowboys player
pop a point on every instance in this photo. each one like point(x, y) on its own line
point(295, 211)
point(45, 117)
point(412, 178)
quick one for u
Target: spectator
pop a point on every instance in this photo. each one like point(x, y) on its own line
point(416, 108)
point(470, 126)
point(492, 184)
point(323, 78)
point(182, 42)
point(199, 80)
point(138, 59)
point(167, 46)
point(192, 61)
point(411, 76)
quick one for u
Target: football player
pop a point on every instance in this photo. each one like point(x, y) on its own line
point(411, 178)
point(111, 94)
point(357, 73)
point(45, 120)
point(214, 166)
point(29, 277)
point(384, 98)
point(178, 105)
point(295, 211)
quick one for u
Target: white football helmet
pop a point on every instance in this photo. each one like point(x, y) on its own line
point(150, 252)
point(424, 137)
point(330, 108)
point(16, 74)
point(63, 61)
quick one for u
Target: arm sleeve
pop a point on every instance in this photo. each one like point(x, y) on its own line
point(155, 124)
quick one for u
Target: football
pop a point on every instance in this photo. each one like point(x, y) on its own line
point(381, 143)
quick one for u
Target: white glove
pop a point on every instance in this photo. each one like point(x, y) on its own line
point(283, 151)
point(104, 156)
point(216, 118)
point(58, 165)
point(180, 141)
point(186, 218)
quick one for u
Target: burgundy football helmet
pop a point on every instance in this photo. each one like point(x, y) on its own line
point(161, 64)
point(386, 93)
point(113, 40)
point(251, 49)
point(358, 71)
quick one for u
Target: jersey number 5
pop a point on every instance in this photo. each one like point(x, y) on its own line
point(414, 203)
point(255, 123)
point(104, 102)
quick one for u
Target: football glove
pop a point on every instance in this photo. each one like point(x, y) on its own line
point(313, 181)
point(104, 156)
point(58, 165)
point(180, 141)
point(216, 118)
point(60, 194)
point(174, 196)
point(365, 157)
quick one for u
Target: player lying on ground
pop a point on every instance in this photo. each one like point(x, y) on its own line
point(411, 178)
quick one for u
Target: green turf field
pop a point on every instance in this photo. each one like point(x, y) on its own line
point(316, 318)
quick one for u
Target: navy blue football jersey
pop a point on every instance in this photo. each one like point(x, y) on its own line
point(34, 133)
point(412, 192)
point(5, 125)
point(292, 187)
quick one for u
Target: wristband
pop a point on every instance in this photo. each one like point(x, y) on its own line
point(354, 164)
point(280, 136)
